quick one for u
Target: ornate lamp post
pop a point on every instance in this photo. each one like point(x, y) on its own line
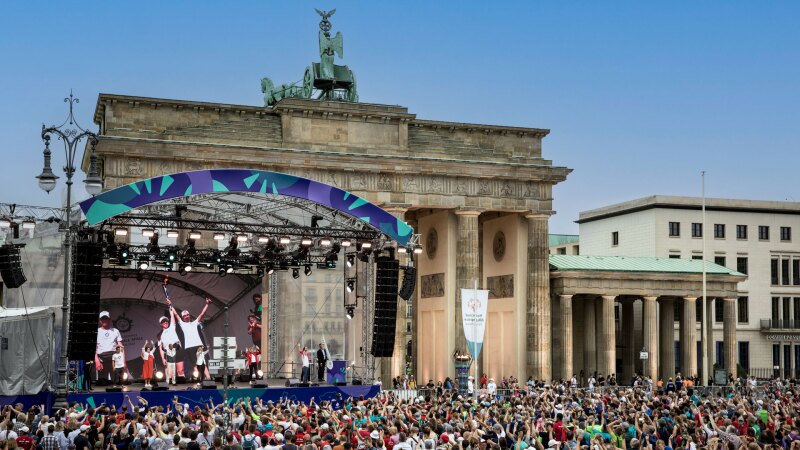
point(70, 134)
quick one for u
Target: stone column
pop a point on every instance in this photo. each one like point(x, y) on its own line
point(539, 344)
point(666, 349)
point(607, 348)
point(729, 335)
point(629, 353)
point(564, 354)
point(650, 337)
point(467, 259)
point(589, 337)
point(689, 337)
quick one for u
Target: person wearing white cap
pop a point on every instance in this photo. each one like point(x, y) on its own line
point(108, 339)
point(168, 339)
point(192, 331)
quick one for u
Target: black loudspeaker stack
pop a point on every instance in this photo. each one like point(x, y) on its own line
point(11, 266)
point(87, 265)
point(383, 328)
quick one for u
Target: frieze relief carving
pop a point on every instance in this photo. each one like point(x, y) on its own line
point(411, 184)
point(506, 190)
point(483, 187)
point(501, 286)
point(432, 285)
point(461, 186)
point(358, 181)
point(435, 185)
point(133, 167)
point(384, 182)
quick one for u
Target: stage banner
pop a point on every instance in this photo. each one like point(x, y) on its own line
point(473, 314)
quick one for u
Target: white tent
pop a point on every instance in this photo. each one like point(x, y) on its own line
point(26, 346)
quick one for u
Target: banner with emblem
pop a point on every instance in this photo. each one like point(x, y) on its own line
point(474, 303)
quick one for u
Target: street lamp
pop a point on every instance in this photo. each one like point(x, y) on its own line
point(70, 134)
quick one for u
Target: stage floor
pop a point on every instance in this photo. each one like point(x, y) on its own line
point(192, 396)
point(139, 387)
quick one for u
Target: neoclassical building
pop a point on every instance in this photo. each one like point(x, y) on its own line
point(479, 195)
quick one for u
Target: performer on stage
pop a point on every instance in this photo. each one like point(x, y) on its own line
point(193, 339)
point(171, 370)
point(253, 355)
point(305, 359)
point(108, 340)
point(200, 357)
point(322, 361)
point(148, 359)
point(168, 337)
point(118, 360)
point(254, 328)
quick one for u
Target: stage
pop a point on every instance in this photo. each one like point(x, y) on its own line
point(188, 395)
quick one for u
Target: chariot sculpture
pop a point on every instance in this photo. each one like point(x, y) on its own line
point(323, 80)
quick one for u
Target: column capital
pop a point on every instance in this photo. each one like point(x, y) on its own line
point(395, 208)
point(467, 212)
point(538, 214)
point(649, 298)
point(689, 298)
point(565, 296)
point(729, 299)
point(612, 297)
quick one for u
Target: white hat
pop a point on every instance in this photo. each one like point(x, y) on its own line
point(279, 437)
point(345, 417)
point(142, 432)
point(324, 426)
point(163, 319)
point(552, 443)
point(185, 313)
point(105, 314)
point(84, 427)
point(375, 435)
point(26, 429)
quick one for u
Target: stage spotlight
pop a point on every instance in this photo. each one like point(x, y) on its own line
point(364, 256)
point(124, 252)
point(418, 250)
point(196, 374)
point(366, 245)
point(351, 284)
point(5, 222)
point(402, 250)
point(120, 231)
point(270, 269)
point(159, 375)
point(350, 312)
point(260, 373)
point(325, 242)
point(222, 271)
point(306, 241)
point(219, 236)
point(259, 272)
point(144, 264)
point(315, 221)
point(241, 237)
point(330, 261)
point(125, 376)
point(229, 269)
point(295, 273)
point(217, 257)
point(28, 224)
point(148, 232)
point(351, 260)
point(172, 233)
point(187, 266)
point(346, 243)
point(263, 239)
point(195, 235)
point(285, 240)
point(307, 270)
point(171, 255)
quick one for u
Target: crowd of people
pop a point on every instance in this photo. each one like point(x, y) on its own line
point(538, 416)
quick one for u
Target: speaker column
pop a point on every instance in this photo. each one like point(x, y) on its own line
point(87, 265)
point(11, 266)
point(385, 306)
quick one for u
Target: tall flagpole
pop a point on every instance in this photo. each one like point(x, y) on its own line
point(705, 327)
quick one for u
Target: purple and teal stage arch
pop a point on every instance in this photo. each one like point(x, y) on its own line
point(125, 198)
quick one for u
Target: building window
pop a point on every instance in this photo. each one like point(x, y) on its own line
point(786, 234)
point(741, 231)
point(720, 353)
point(741, 264)
point(796, 312)
point(743, 310)
point(773, 269)
point(785, 276)
point(697, 256)
point(698, 310)
point(776, 306)
point(675, 256)
point(786, 313)
point(776, 354)
point(561, 250)
point(697, 230)
point(615, 238)
point(763, 233)
point(796, 271)
point(719, 310)
point(719, 230)
point(674, 229)
point(719, 260)
point(744, 355)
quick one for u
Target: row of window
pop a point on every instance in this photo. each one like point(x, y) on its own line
point(743, 360)
point(741, 261)
point(719, 231)
point(786, 312)
point(785, 270)
point(742, 310)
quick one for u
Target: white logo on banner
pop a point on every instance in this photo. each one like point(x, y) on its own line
point(473, 314)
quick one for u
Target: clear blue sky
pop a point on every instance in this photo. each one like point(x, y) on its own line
point(640, 96)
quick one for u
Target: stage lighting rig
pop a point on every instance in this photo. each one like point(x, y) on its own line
point(346, 243)
point(307, 270)
point(143, 264)
point(315, 221)
point(190, 251)
point(350, 311)
point(232, 250)
point(351, 260)
point(295, 273)
point(153, 247)
point(350, 284)
point(172, 255)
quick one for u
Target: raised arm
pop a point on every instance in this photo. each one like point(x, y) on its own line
point(205, 308)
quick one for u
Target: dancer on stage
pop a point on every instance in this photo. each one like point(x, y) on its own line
point(322, 361)
point(148, 360)
point(108, 340)
point(171, 370)
point(200, 357)
point(193, 339)
point(254, 328)
point(305, 359)
point(118, 360)
point(168, 338)
point(253, 355)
